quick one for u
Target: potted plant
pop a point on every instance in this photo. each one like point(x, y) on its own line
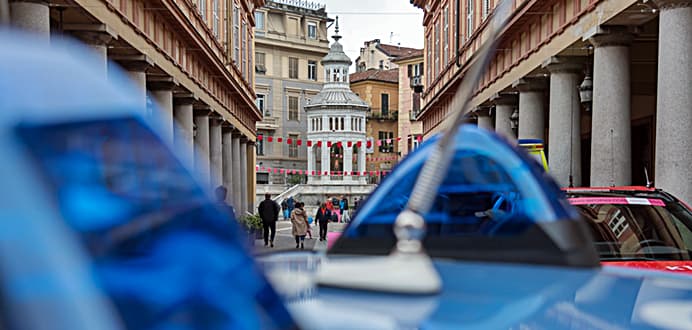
point(253, 225)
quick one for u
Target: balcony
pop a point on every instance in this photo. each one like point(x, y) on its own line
point(417, 84)
point(394, 115)
point(268, 123)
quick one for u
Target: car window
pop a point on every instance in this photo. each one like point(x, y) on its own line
point(165, 254)
point(631, 231)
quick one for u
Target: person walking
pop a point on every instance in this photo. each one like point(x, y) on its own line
point(343, 205)
point(299, 220)
point(322, 217)
point(284, 208)
point(290, 202)
point(269, 212)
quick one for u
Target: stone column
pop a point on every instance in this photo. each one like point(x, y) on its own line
point(326, 165)
point(531, 109)
point(348, 162)
point(183, 130)
point(236, 172)
point(98, 39)
point(202, 147)
point(136, 66)
point(611, 150)
point(361, 161)
point(163, 94)
point(674, 103)
point(32, 16)
point(215, 151)
point(311, 163)
point(243, 175)
point(251, 179)
point(504, 106)
point(564, 149)
point(485, 121)
point(227, 155)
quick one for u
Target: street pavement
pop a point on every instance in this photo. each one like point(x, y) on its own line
point(284, 241)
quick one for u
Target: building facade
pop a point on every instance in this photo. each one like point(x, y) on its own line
point(290, 39)
point(379, 56)
point(606, 83)
point(192, 58)
point(336, 128)
point(380, 91)
point(411, 79)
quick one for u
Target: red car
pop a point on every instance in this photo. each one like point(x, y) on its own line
point(637, 226)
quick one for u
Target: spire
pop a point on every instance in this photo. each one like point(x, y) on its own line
point(336, 30)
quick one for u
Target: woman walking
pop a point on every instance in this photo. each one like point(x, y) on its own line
point(299, 220)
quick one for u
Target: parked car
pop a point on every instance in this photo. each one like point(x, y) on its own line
point(637, 226)
point(102, 226)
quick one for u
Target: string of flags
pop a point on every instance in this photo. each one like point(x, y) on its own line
point(329, 143)
point(369, 159)
point(319, 173)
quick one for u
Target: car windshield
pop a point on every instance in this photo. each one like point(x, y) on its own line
point(161, 249)
point(638, 228)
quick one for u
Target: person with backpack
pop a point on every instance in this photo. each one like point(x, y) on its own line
point(322, 217)
point(269, 213)
point(343, 205)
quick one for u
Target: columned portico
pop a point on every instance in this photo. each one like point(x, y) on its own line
point(136, 66)
point(674, 100)
point(504, 106)
point(611, 150)
point(97, 36)
point(531, 109)
point(564, 149)
point(202, 147)
point(33, 16)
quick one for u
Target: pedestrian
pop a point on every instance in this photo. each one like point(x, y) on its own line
point(269, 212)
point(343, 204)
point(355, 203)
point(322, 217)
point(284, 209)
point(220, 193)
point(290, 202)
point(299, 220)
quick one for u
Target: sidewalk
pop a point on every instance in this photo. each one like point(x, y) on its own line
point(284, 241)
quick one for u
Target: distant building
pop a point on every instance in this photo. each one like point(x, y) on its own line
point(376, 55)
point(290, 39)
point(410, 88)
point(380, 90)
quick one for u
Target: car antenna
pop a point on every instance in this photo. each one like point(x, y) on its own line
point(649, 183)
point(408, 269)
point(437, 165)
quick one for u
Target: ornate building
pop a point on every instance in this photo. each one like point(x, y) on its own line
point(606, 83)
point(336, 118)
point(193, 58)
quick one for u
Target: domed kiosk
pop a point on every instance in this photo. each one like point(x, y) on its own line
point(336, 118)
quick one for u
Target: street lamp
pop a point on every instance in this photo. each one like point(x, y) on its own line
point(514, 119)
point(586, 86)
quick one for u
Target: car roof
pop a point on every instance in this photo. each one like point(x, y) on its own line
point(33, 88)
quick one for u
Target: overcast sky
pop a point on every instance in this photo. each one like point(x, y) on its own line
point(363, 20)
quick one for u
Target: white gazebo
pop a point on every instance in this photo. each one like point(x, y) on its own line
point(336, 118)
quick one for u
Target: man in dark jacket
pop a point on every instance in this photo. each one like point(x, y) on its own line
point(322, 217)
point(269, 212)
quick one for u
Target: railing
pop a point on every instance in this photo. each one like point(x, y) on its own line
point(302, 4)
point(288, 193)
point(394, 115)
